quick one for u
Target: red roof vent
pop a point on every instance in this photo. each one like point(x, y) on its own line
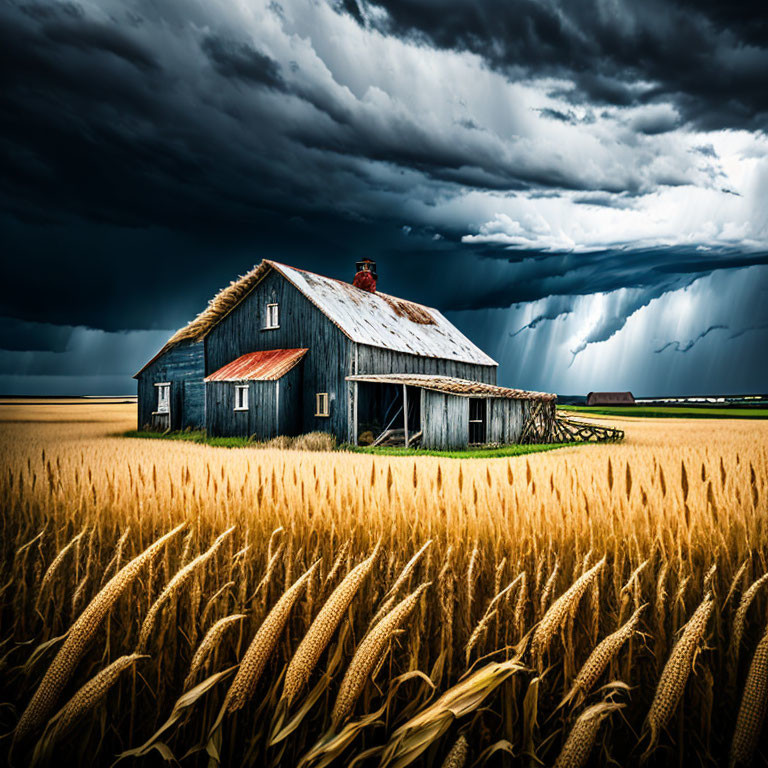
point(365, 276)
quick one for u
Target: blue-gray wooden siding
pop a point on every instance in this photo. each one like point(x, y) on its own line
point(184, 367)
point(375, 360)
point(444, 420)
point(272, 407)
point(302, 324)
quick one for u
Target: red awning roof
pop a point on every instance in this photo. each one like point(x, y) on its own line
point(268, 365)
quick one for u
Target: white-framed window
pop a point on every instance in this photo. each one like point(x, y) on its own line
point(241, 397)
point(321, 404)
point(163, 397)
point(273, 316)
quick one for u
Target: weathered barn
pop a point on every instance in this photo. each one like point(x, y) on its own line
point(610, 398)
point(282, 351)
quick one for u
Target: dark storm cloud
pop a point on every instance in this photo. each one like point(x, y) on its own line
point(16, 335)
point(242, 61)
point(561, 309)
point(557, 114)
point(531, 276)
point(655, 123)
point(152, 152)
point(606, 201)
point(130, 153)
point(147, 121)
point(710, 57)
point(87, 36)
point(679, 346)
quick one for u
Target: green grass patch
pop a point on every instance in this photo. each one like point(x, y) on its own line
point(669, 412)
point(199, 436)
point(195, 436)
point(312, 441)
point(468, 453)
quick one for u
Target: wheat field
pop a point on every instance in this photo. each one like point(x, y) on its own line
point(170, 601)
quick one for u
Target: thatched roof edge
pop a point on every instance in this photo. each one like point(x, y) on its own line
point(218, 308)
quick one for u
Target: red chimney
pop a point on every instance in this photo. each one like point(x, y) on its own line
point(365, 277)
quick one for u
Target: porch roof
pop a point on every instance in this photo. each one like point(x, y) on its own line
point(266, 365)
point(451, 385)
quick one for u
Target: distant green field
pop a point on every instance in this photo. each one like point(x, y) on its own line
point(670, 412)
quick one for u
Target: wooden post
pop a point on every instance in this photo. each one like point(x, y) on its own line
point(277, 408)
point(354, 413)
point(405, 413)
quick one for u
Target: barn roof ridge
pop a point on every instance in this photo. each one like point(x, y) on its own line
point(390, 323)
point(274, 262)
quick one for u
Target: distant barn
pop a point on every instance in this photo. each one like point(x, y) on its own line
point(610, 398)
point(282, 351)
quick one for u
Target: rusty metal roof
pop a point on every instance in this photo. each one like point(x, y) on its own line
point(379, 320)
point(451, 385)
point(268, 365)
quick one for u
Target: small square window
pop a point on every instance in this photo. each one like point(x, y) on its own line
point(163, 398)
point(273, 317)
point(241, 397)
point(321, 404)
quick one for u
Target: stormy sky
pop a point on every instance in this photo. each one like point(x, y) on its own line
point(581, 187)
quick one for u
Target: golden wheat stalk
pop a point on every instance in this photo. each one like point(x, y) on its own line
point(754, 702)
point(635, 575)
point(323, 627)
point(56, 564)
point(739, 620)
point(174, 586)
point(80, 636)
point(582, 737)
point(489, 614)
point(368, 655)
point(336, 567)
point(267, 578)
point(212, 601)
point(79, 592)
point(391, 596)
point(457, 757)
point(471, 572)
point(601, 656)
point(115, 561)
point(676, 671)
point(566, 604)
point(209, 643)
point(87, 697)
point(735, 581)
point(548, 587)
point(264, 641)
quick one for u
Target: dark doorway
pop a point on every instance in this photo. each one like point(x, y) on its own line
point(477, 419)
point(380, 413)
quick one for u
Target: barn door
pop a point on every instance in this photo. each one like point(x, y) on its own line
point(478, 417)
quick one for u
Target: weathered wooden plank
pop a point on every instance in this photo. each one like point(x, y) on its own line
point(183, 367)
point(444, 420)
point(375, 360)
